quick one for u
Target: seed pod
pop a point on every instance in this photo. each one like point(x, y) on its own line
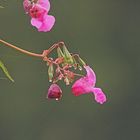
point(81, 61)
point(50, 72)
point(67, 55)
point(60, 53)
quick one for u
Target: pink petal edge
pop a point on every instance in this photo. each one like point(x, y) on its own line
point(45, 4)
point(100, 97)
point(90, 76)
point(35, 22)
point(85, 84)
point(47, 23)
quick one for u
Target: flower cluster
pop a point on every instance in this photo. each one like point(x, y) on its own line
point(65, 68)
point(38, 11)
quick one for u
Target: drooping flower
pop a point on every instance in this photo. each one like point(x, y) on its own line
point(54, 92)
point(38, 11)
point(86, 85)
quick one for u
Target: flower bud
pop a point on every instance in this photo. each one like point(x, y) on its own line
point(50, 72)
point(60, 53)
point(82, 61)
point(67, 55)
point(54, 92)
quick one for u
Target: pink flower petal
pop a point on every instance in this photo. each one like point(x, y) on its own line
point(45, 4)
point(81, 86)
point(47, 23)
point(35, 22)
point(85, 84)
point(99, 95)
point(37, 11)
point(90, 76)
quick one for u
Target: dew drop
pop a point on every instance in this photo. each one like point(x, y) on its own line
point(80, 68)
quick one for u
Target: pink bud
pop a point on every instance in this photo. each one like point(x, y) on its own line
point(54, 92)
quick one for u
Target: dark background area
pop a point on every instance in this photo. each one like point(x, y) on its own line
point(107, 36)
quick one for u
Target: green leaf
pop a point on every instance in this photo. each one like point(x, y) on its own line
point(5, 71)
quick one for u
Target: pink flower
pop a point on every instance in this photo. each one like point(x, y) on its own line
point(39, 14)
point(54, 92)
point(86, 84)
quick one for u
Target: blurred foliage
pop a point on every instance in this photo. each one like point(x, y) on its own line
point(1, 6)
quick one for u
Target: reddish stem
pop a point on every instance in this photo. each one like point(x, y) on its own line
point(21, 50)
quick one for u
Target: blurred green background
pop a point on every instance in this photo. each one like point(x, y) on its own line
point(107, 35)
